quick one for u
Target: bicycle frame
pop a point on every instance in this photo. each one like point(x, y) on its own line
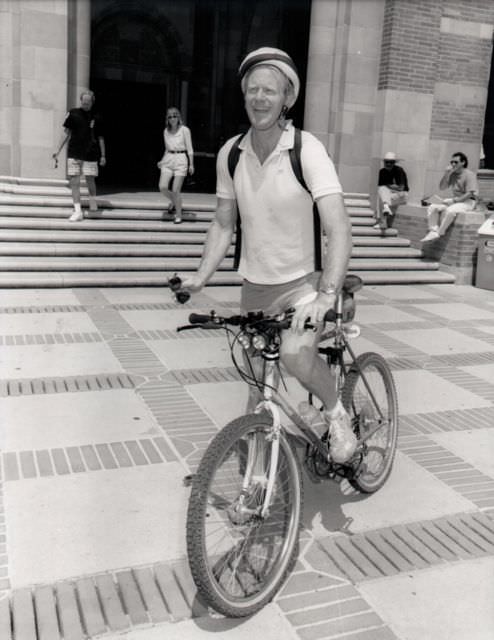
point(273, 401)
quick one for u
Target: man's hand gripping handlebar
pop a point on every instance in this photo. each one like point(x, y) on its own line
point(175, 284)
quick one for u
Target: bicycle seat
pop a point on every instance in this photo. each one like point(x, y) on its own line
point(352, 283)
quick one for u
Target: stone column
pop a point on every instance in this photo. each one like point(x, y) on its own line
point(342, 73)
point(33, 71)
point(79, 60)
point(44, 64)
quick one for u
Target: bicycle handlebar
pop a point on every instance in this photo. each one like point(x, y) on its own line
point(212, 321)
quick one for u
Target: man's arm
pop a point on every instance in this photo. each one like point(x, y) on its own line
point(63, 139)
point(337, 226)
point(444, 182)
point(102, 148)
point(218, 241)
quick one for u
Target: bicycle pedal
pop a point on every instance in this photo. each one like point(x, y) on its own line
point(188, 480)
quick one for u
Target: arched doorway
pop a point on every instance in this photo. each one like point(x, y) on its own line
point(149, 54)
point(135, 73)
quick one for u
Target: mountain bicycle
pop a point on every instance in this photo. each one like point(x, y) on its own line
point(245, 507)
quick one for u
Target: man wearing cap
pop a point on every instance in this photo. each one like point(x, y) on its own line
point(392, 190)
point(277, 260)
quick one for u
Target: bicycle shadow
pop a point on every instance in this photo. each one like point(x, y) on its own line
point(324, 504)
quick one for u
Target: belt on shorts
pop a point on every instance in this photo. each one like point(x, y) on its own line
point(177, 151)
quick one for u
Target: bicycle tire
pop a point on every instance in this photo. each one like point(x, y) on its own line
point(379, 450)
point(240, 570)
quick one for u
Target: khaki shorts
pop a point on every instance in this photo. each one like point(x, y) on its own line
point(81, 167)
point(276, 298)
point(175, 163)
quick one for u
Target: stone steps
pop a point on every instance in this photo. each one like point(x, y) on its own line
point(171, 264)
point(48, 248)
point(130, 241)
point(15, 279)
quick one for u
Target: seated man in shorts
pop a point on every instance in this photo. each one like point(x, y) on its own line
point(82, 129)
point(465, 191)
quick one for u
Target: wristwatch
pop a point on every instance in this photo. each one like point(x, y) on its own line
point(329, 290)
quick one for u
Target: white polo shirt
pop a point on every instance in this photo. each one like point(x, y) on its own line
point(276, 211)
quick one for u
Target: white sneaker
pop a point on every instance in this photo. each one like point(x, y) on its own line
point(386, 210)
point(76, 216)
point(342, 441)
point(432, 235)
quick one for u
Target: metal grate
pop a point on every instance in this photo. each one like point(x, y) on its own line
point(400, 548)
point(444, 421)
point(68, 384)
point(52, 308)
point(94, 605)
point(206, 374)
point(23, 465)
point(50, 338)
point(463, 477)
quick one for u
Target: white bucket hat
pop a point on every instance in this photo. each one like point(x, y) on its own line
point(390, 155)
point(275, 58)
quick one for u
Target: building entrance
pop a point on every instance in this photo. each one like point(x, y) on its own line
point(148, 55)
point(134, 117)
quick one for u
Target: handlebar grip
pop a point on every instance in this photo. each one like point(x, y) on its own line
point(182, 296)
point(199, 318)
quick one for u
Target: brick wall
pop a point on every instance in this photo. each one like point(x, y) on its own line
point(410, 45)
point(464, 61)
point(478, 10)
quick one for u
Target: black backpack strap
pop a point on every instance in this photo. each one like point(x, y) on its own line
point(233, 158)
point(296, 163)
point(234, 155)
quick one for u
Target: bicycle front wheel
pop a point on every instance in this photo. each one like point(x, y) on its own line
point(369, 396)
point(239, 557)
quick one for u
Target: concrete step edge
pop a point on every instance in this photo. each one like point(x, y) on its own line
point(122, 278)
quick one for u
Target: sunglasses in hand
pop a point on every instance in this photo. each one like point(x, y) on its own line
point(175, 285)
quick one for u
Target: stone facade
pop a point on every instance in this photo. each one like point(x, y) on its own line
point(382, 75)
point(44, 62)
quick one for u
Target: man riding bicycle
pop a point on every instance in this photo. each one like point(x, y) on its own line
point(278, 254)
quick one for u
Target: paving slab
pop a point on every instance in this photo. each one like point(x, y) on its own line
point(370, 314)
point(440, 341)
point(399, 292)
point(72, 419)
point(42, 323)
point(420, 391)
point(270, 624)
point(192, 353)
point(483, 371)
point(62, 527)
point(157, 319)
point(476, 447)
point(451, 602)
point(36, 297)
point(457, 311)
point(39, 361)
point(100, 428)
point(330, 507)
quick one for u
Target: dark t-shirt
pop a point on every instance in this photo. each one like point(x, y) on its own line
point(85, 129)
point(396, 175)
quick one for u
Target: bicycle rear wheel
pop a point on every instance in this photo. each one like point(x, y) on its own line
point(239, 558)
point(369, 395)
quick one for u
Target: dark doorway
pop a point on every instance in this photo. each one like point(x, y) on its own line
point(133, 118)
point(147, 55)
point(488, 138)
